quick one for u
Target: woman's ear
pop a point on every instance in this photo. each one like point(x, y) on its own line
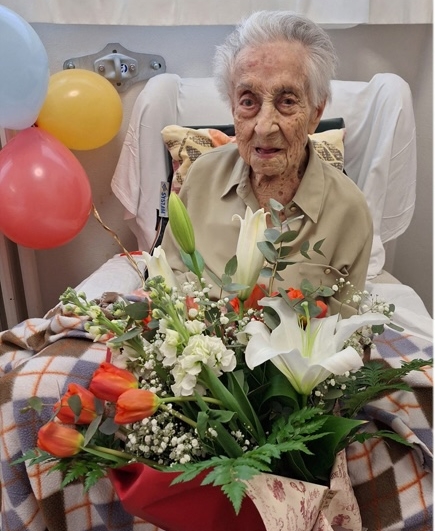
point(316, 116)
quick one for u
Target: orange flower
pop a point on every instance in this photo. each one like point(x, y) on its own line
point(59, 441)
point(295, 293)
point(87, 412)
point(109, 382)
point(257, 293)
point(324, 309)
point(134, 405)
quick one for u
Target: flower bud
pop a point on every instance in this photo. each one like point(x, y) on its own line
point(87, 412)
point(181, 225)
point(134, 405)
point(109, 382)
point(323, 309)
point(59, 441)
point(250, 259)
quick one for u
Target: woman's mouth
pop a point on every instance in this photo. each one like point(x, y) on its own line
point(266, 151)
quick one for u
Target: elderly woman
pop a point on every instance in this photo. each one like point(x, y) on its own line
point(275, 71)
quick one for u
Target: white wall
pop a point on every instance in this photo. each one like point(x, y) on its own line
point(364, 50)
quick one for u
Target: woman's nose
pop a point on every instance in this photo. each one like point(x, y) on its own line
point(267, 120)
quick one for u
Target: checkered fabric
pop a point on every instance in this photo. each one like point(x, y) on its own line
point(40, 357)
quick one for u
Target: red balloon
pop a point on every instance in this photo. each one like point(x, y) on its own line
point(45, 195)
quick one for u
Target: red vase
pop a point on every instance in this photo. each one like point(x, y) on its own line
point(148, 494)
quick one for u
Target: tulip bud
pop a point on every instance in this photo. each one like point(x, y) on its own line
point(181, 225)
point(134, 405)
point(109, 382)
point(59, 441)
point(87, 412)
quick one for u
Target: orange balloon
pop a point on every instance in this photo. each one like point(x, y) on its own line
point(82, 109)
point(45, 195)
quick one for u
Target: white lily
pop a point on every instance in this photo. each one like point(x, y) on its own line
point(250, 259)
point(158, 266)
point(307, 356)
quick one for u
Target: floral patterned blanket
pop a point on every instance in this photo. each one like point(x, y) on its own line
point(392, 483)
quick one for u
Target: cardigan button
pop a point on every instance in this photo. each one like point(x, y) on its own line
point(327, 271)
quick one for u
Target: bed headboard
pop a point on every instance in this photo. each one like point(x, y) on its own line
point(379, 148)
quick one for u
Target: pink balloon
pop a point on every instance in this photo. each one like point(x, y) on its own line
point(45, 195)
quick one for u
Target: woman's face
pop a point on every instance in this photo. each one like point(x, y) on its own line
point(272, 111)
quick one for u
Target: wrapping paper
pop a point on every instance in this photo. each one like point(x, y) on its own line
point(273, 502)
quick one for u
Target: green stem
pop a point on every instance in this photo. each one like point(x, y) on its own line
point(196, 269)
point(177, 414)
point(122, 455)
point(191, 399)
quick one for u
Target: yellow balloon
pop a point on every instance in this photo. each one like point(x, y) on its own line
point(82, 109)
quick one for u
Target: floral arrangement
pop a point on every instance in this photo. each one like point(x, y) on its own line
point(256, 381)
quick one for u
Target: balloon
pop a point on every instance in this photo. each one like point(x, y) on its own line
point(24, 73)
point(45, 195)
point(82, 109)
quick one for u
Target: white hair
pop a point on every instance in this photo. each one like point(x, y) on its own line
point(269, 26)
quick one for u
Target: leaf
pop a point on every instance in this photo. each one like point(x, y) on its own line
point(231, 266)
point(317, 245)
point(92, 428)
point(305, 246)
point(275, 205)
point(138, 310)
point(287, 236)
point(279, 386)
point(242, 400)
point(188, 262)
point(241, 407)
point(35, 403)
point(269, 251)
point(109, 426)
point(338, 430)
point(272, 235)
point(75, 404)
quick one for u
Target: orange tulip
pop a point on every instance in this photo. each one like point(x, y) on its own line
point(87, 399)
point(109, 382)
point(134, 405)
point(59, 441)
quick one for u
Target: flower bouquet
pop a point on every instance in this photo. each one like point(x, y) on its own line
point(242, 404)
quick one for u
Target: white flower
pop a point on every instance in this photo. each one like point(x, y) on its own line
point(306, 356)
point(195, 327)
point(158, 266)
point(169, 347)
point(250, 259)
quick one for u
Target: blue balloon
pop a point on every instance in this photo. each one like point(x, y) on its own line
point(24, 72)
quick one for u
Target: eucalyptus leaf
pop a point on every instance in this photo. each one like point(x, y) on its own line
point(75, 404)
point(287, 236)
point(35, 403)
point(231, 266)
point(109, 426)
point(305, 246)
point(138, 310)
point(92, 428)
point(269, 251)
point(275, 205)
point(272, 235)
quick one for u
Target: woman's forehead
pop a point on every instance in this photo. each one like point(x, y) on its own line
point(279, 61)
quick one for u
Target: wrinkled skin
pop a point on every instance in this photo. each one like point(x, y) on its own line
point(273, 115)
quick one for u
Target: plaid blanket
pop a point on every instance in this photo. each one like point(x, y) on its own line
point(40, 357)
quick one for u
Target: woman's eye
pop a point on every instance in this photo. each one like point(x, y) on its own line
point(288, 101)
point(247, 102)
